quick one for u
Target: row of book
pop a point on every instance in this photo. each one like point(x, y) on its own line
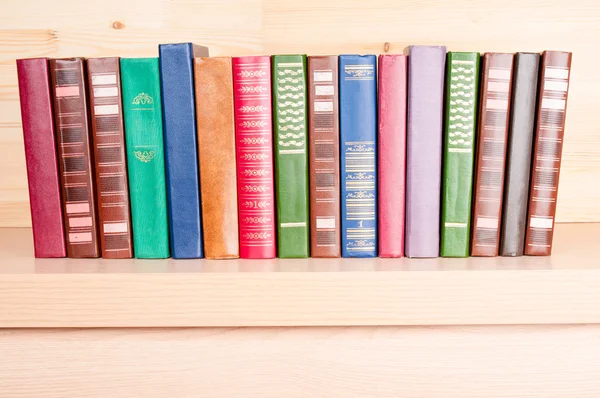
point(192, 156)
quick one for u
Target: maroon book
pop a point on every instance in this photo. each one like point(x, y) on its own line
point(74, 151)
point(547, 152)
point(392, 154)
point(41, 158)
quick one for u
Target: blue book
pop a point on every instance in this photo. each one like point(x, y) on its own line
point(358, 149)
point(181, 156)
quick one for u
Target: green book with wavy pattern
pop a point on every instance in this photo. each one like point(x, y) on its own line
point(291, 155)
point(462, 77)
point(142, 112)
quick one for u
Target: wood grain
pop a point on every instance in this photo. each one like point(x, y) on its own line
point(411, 362)
point(240, 27)
point(561, 289)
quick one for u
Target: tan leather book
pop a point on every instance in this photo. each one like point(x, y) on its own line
point(216, 152)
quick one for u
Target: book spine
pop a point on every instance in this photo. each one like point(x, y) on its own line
point(112, 190)
point(216, 135)
point(142, 114)
point(547, 152)
point(41, 158)
point(391, 153)
point(291, 155)
point(324, 149)
point(74, 150)
point(254, 152)
point(494, 109)
point(181, 156)
point(424, 150)
point(358, 147)
point(462, 78)
point(518, 154)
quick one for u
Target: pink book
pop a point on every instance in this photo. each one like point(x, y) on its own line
point(254, 153)
point(392, 154)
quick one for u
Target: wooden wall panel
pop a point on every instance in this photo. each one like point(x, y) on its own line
point(238, 27)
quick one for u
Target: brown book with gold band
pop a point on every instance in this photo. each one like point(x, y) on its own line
point(547, 152)
point(217, 157)
point(112, 191)
point(75, 158)
point(494, 109)
point(324, 150)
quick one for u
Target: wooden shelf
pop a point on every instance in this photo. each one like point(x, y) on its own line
point(563, 288)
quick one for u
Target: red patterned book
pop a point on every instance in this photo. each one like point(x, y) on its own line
point(41, 158)
point(392, 154)
point(254, 152)
point(494, 109)
point(547, 152)
point(74, 150)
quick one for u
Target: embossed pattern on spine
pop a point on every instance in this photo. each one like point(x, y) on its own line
point(461, 108)
point(324, 136)
point(491, 153)
point(547, 153)
point(291, 155)
point(358, 132)
point(104, 82)
point(518, 153)
point(254, 151)
point(142, 113)
point(74, 149)
point(216, 152)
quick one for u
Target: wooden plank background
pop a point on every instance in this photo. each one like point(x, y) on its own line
point(373, 362)
point(93, 28)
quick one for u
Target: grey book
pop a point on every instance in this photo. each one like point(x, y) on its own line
point(519, 153)
point(424, 150)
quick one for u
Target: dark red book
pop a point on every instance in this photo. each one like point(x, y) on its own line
point(254, 152)
point(75, 154)
point(392, 154)
point(41, 158)
point(547, 152)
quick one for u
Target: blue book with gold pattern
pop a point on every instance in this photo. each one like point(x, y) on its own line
point(358, 149)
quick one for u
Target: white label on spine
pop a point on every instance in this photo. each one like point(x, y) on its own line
point(325, 223)
point(324, 90)
point(536, 222)
point(106, 110)
point(553, 103)
point(555, 86)
point(324, 106)
point(501, 87)
point(487, 222)
point(115, 227)
point(105, 92)
point(323, 76)
point(496, 104)
point(100, 80)
point(503, 74)
point(292, 224)
point(556, 73)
